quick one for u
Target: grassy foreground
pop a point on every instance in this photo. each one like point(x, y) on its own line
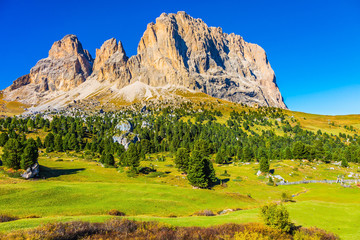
point(76, 189)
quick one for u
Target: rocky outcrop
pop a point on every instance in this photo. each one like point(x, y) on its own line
point(66, 67)
point(110, 63)
point(183, 51)
point(124, 134)
point(176, 50)
point(31, 172)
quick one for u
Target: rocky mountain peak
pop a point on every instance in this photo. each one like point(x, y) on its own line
point(67, 66)
point(177, 50)
point(68, 46)
point(110, 62)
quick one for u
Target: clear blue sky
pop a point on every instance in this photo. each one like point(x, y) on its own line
point(313, 46)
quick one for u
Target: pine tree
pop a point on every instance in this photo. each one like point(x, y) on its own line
point(3, 139)
point(287, 154)
point(12, 154)
point(202, 146)
point(58, 143)
point(109, 159)
point(264, 165)
point(201, 172)
point(182, 159)
point(344, 163)
point(30, 154)
point(30, 124)
point(49, 142)
point(299, 150)
point(133, 157)
point(39, 143)
point(221, 157)
point(247, 154)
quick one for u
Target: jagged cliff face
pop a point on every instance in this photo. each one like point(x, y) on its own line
point(177, 50)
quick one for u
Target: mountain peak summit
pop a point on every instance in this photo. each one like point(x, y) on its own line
point(177, 50)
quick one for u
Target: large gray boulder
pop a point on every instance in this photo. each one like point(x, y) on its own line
point(32, 171)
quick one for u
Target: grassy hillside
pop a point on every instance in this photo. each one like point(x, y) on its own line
point(76, 189)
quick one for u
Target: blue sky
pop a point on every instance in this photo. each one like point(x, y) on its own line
point(313, 46)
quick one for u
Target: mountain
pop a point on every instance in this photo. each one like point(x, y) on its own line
point(175, 52)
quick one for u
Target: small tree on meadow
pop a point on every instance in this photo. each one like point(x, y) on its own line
point(344, 162)
point(30, 154)
point(12, 154)
point(277, 216)
point(201, 172)
point(264, 165)
point(132, 157)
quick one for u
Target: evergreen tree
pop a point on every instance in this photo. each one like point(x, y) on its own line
point(30, 124)
point(39, 143)
point(287, 153)
point(132, 156)
point(109, 159)
point(264, 165)
point(221, 157)
point(182, 159)
point(12, 154)
point(3, 139)
point(247, 154)
point(49, 142)
point(201, 172)
point(344, 163)
point(299, 150)
point(30, 154)
point(202, 146)
point(58, 143)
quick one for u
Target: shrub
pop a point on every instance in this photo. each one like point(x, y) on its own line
point(277, 216)
point(156, 174)
point(128, 229)
point(314, 234)
point(205, 213)
point(115, 212)
point(225, 174)
point(271, 182)
point(285, 197)
point(6, 218)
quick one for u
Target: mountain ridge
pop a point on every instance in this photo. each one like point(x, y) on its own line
point(176, 50)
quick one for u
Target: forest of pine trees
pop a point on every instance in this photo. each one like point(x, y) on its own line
point(246, 136)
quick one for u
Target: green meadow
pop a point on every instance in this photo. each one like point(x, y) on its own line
point(72, 188)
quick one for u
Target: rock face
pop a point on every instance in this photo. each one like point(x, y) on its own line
point(110, 63)
point(176, 50)
point(66, 67)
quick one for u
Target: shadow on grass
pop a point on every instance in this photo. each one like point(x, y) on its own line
point(46, 172)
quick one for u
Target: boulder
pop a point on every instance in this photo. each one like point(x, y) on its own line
point(32, 171)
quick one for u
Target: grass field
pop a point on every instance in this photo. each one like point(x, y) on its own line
point(76, 189)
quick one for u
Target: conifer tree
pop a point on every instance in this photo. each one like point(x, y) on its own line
point(182, 159)
point(12, 154)
point(201, 172)
point(133, 157)
point(30, 154)
point(39, 143)
point(58, 143)
point(3, 139)
point(49, 142)
point(264, 165)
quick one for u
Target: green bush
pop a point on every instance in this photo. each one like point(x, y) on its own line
point(277, 216)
